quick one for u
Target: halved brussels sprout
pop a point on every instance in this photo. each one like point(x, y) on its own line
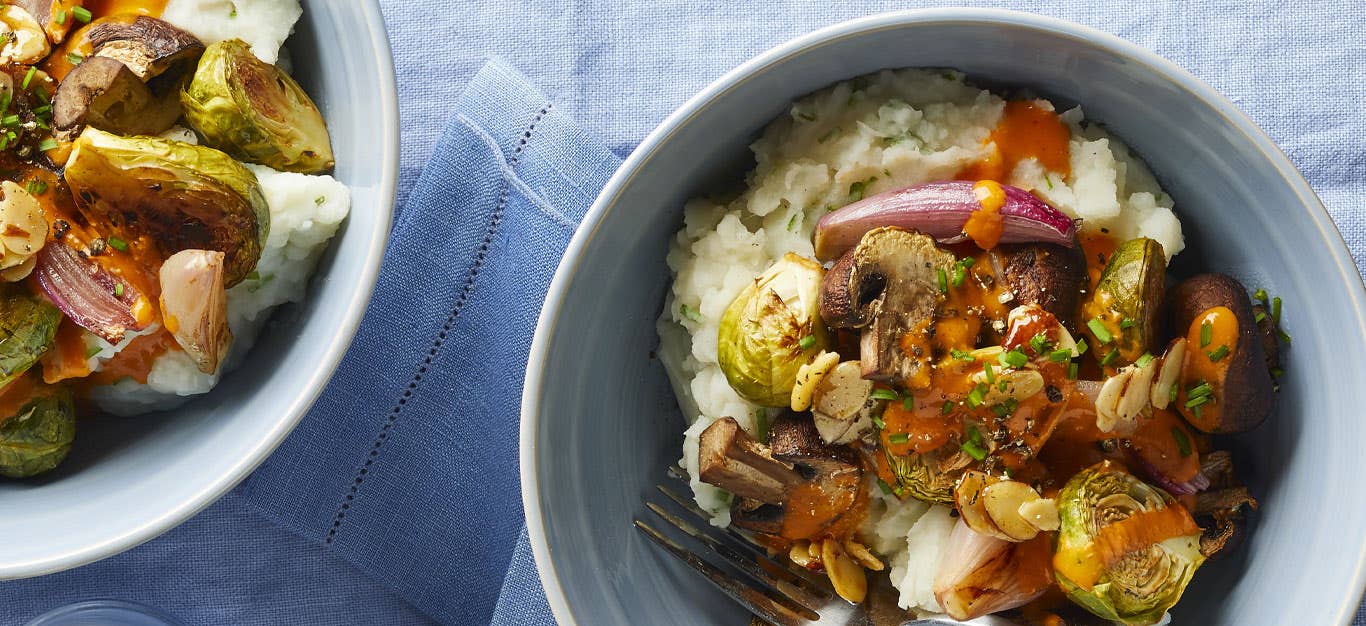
point(1121, 317)
point(1126, 550)
point(28, 327)
point(929, 477)
point(254, 111)
point(172, 195)
point(771, 330)
point(38, 436)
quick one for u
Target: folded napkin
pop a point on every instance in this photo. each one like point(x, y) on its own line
point(404, 473)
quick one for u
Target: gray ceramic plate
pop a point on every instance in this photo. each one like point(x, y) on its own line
point(129, 480)
point(599, 423)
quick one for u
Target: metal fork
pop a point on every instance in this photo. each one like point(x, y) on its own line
point(775, 591)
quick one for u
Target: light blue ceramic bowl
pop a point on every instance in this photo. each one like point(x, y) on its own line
point(129, 480)
point(599, 423)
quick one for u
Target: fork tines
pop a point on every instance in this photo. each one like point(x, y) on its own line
point(780, 593)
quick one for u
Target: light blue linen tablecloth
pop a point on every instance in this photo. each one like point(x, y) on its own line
point(395, 501)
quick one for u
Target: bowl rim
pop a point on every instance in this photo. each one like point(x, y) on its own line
point(328, 360)
point(648, 147)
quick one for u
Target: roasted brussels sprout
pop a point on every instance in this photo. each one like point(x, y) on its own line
point(38, 436)
point(1122, 316)
point(255, 112)
point(929, 477)
point(172, 195)
point(771, 330)
point(28, 326)
point(1126, 550)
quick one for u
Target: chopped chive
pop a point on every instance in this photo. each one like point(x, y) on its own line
point(1082, 346)
point(1219, 353)
point(877, 421)
point(974, 450)
point(1144, 360)
point(1110, 358)
point(1206, 333)
point(908, 403)
point(1001, 385)
point(1277, 372)
point(4, 142)
point(1013, 358)
point(92, 351)
point(29, 77)
point(48, 144)
point(1276, 309)
point(961, 355)
point(990, 372)
point(1259, 317)
point(60, 17)
point(118, 290)
point(1099, 330)
point(1039, 343)
point(81, 14)
point(1283, 335)
point(898, 438)
point(687, 311)
point(1072, 371)
point(74, 58)
point(947, 408)
point(856, 191)
point(885, 394)
point(976, 396)
point(959, 275)
point(1202, 389)
point(943, 279)
point(974, 435)
point(1172, 393)
point(882, 484)
point(807, 342)
point(967, 261)
point(1060, 356)
point(1260, 294)
point(42, 109)
point(1183, 443)
point(791, 223)
point(118, 244)
point(10, 120)
point(1195, 402)
point(36, 187)
point(1126, 324)
point(1197, 410)
point(254, 275)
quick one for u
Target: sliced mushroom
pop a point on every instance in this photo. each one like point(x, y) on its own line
point(888, 287)
point(104, 93)
point(148, 46)
point(797, 488)
point(131, 84)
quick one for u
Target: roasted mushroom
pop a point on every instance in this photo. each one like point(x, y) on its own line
point(1225, 385)
point(131, 84)
point(1048, 275)
point(148, 46)
point(54, 16)
point(887, 286)
point(104, 93)
point(796, 488)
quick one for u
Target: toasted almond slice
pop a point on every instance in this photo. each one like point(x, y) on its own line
point(848, 578)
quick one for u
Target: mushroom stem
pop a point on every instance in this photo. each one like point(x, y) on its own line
point(732, 460)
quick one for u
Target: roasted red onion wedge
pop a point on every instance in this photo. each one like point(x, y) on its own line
point(90, 295)
point(194, 306)
point(940, 210)
point(980, 574)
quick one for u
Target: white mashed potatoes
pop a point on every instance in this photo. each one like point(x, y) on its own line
point(305, 212)
point(866, 136)
point(264, 24)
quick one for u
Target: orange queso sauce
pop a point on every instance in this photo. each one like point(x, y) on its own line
point(1027, 130)
point(101, 8)
point(1210, 344)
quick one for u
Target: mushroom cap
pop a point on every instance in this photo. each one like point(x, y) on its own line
point(104, 93)
point(148, 46)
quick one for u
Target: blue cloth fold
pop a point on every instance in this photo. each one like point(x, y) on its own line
point(396, 500)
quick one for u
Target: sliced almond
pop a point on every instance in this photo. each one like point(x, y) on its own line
point(1169, 375)
point(800, 553)
point(19, 272)
point(23, 229)
point(1010, 384)
point(846, 576)
point(967, 498)
point(863, 555)
point(842, 392)
point(1041, 514)
point(1003, 500)
point(808, 376)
